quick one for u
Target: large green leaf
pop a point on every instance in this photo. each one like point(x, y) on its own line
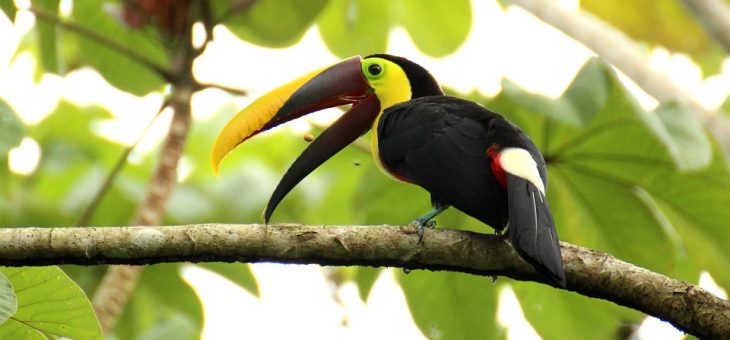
point(448, 305)
point(359, 27)
point(685, 137)
point(163, 306)
point(115, 66)
point(270, 23)
point(624, 181)
point(356, 27)
point(8, 299)
point(50, 305)
point(11, 129)
point(436, 27)
point(549, 309)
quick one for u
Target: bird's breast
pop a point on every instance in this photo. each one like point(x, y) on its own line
point(375, 149)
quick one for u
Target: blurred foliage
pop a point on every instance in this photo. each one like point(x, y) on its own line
point(648, 187)
point(361, 27)
point(666, 23)
point(271, 23)
point(11, 129)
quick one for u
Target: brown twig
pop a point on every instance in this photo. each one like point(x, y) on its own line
point(119, 282)
point(202, 86)
point(116, 170)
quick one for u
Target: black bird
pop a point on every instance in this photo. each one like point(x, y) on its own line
point(464, 155)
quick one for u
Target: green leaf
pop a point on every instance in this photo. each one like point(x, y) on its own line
point(448, 305)
point(47, 38)
point(437, 27)
point(365, 278)
point(12, 129)
point(8, 299)
point(238, 273)
point(116, 67)
point(547, 309)
point(162, 297)
point(176, 327)
point(355, 27)
point(619, 181)
point(684, 136)
point(270, 23)
point(73, 164)
point(50, 305)
point(585, 96)
point(378, 194)
point(8, 7)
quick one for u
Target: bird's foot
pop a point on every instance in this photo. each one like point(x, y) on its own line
point(421, 227)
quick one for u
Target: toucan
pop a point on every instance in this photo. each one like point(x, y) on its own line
point(463, 154)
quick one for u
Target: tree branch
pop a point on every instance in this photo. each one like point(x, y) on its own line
point(589, 272)
point(119, 282)
point(714, 16)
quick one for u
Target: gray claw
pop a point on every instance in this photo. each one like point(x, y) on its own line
point(421, 228)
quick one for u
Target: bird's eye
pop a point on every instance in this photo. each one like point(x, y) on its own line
point(375, 70)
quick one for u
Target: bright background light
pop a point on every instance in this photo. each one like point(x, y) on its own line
point(297, 301)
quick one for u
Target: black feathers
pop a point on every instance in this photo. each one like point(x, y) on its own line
point(531, 228)
point(440, 143)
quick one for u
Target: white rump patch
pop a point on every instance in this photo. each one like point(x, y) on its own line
point(519, 162)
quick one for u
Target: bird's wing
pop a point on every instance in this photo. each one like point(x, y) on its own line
point(439, 143)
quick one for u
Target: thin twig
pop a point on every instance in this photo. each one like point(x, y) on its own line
point(119, 282)
point(105, 41)
point(206, 18)
point(239, 92)
point(116, 170)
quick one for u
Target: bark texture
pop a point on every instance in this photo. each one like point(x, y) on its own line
point(589, 272)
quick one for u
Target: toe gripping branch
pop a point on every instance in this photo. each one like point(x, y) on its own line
point(425, 221)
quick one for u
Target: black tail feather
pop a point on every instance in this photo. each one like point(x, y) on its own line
point(532, 230)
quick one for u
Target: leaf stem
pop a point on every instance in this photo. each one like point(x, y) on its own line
point(105, 41)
